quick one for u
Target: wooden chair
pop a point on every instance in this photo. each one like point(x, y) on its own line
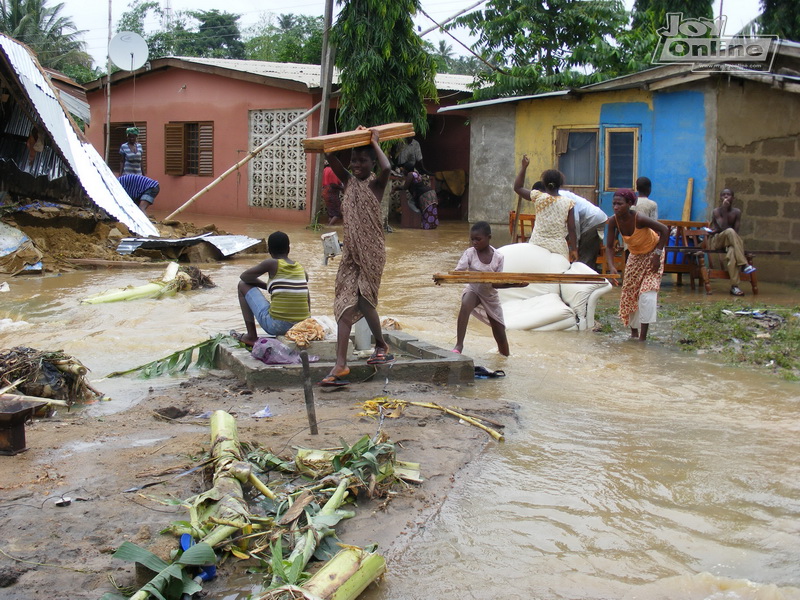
point(681, 258)
point(718, 268)
point(525, 223)
point(619, 260)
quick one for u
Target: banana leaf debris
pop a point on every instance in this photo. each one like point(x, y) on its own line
point(278, 514)
point(176, 279)
point(54, 377)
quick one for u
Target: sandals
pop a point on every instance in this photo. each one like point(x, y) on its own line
point(380, 357)
point(735, 291)
point(239, 337)
point(484, 373)
point(335, 380)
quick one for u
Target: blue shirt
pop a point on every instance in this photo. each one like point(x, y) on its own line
point(136, 185)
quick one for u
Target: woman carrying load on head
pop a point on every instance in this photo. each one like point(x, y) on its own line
point(554, 228)
point(130, 154)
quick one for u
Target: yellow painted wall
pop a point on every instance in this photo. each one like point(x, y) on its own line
point(537, 121)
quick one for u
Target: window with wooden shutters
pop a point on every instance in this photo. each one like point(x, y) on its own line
point(119, 137)
point(189, 148)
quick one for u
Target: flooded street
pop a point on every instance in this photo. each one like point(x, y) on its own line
point(634, 471)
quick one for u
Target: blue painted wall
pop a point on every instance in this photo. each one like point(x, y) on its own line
point(672, 148)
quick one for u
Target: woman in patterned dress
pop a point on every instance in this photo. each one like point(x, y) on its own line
point(554, 228)
point(363, 253)
point(422, 196)
point(644, 268)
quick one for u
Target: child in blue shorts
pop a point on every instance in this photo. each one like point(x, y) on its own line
point(287, 285)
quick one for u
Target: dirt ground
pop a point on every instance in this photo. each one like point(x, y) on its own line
point(51, 551)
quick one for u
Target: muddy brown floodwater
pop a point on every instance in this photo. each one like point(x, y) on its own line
point(633, 471)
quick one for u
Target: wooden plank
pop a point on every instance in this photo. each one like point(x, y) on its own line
point(356, 138)
point(501, 278)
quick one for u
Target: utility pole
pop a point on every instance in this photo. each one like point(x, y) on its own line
point(108, 87)
point(326, 77)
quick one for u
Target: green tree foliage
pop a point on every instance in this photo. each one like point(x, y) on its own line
point(286, 38)
point(533, 43)
point(53, 37)
point(210, 34)
point(781, 18)
point(217, 36)
point(386, 75)
point(653, 13)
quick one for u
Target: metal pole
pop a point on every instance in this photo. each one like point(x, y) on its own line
point(326, 77)
point(312, 413)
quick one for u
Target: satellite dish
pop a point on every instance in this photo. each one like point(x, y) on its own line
point(128, 50)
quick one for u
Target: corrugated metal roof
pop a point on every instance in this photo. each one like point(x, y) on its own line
point(309, 75)
point(72, 94)
point(95, 177)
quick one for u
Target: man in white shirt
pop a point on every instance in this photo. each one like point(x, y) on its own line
point(588, 217)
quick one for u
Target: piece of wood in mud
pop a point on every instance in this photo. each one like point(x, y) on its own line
point(359, 137)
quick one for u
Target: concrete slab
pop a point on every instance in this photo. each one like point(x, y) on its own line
point(415, 360)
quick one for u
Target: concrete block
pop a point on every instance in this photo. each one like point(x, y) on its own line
point(791, 169)
point(791, 210)
point(778, 230)
point(739, 186)
point(760, 208)
point(779, 147)
point(763, 166)
point(774, 188)
point(416, 361)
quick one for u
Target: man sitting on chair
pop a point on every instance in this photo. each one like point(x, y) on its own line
point(724, 233)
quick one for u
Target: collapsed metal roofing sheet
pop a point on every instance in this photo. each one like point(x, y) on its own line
point(226, 244)
point(93, 174)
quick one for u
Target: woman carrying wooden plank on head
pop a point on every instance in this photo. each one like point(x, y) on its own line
point(363, 253)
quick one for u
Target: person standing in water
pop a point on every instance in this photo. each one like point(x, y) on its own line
point(481, 299)
point(363, 254)
point(646, 239)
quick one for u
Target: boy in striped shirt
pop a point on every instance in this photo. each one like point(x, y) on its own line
point(287, 285)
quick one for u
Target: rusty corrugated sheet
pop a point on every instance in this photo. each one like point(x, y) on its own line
point(94, 176)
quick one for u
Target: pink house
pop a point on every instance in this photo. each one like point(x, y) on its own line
point(198, 117)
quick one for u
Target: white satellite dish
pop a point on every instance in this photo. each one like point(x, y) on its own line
point(128, 50)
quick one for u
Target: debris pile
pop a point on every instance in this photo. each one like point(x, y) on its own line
point(289, 522)
point(52, 375)
point(71, 236)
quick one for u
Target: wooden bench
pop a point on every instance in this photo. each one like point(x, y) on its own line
point(718, 266)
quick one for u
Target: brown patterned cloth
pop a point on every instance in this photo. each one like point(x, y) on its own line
point(639, 278)
point(364, 251)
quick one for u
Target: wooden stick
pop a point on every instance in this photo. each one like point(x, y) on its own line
point(687, 202)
